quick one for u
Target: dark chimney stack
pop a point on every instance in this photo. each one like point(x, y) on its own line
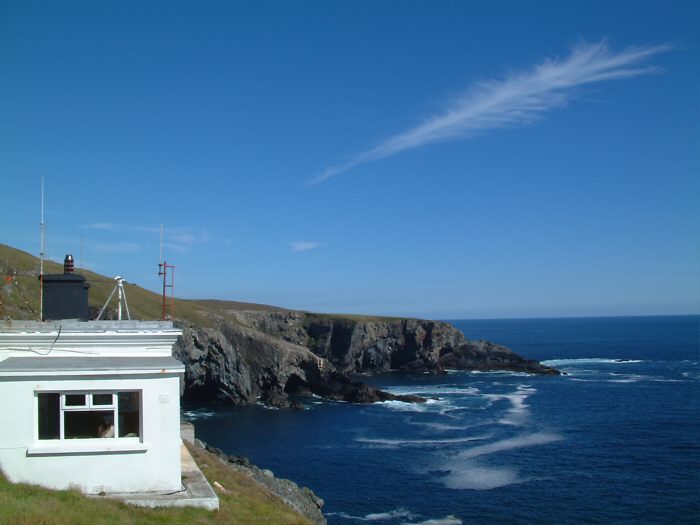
point(65, 294)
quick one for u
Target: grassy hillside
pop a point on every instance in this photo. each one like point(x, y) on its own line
point(244, 502)
point(19, 298)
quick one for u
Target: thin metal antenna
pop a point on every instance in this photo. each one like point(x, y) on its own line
point(41, 256)
point(80, 259)
point(168, 305)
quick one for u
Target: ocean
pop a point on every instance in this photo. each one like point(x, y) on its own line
point(616, 440)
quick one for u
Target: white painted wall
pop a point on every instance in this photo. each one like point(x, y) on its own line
point(153, 466)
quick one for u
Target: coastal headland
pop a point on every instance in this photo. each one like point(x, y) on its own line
point(243, 353)
point(277, 356)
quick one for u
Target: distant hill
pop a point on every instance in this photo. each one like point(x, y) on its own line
point(19, 296)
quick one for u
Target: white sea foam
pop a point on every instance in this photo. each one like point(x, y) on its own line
point(447, 520)
point(434, 390)
point(431, 405)
point(420, 442)
point(469, 476)
point(439, 427)
point(392, 514)
point(199, 414)
point(378, 516)
point(528, 440)
point(589, 360)
point(519, 412)
point(465, 472)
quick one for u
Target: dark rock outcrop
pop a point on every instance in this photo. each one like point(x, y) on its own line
point(280, 355)
point(485, 356)
point(238, 364)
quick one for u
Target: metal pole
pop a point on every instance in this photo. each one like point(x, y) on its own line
point(41, 257)
point(119, 297)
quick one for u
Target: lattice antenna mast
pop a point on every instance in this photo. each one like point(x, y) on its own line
point(42, 244)
point(168, 302)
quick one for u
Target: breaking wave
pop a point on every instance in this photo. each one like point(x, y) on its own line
point(378, 516)
point(589, 361)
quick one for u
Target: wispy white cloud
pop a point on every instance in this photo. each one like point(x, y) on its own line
point(122, 228)
point(114, 247)
point(302, 246)
point(514, 100)
point(178, 238)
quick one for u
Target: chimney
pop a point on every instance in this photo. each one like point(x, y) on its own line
point(65, 294)
point(68, 266)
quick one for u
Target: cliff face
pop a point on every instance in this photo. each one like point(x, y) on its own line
point(356, 345)
point(271, 355)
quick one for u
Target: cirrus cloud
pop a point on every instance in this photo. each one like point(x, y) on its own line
point(514, 100)
point(302, 246)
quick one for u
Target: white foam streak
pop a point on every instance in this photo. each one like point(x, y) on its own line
point(440, 427)
point(420, 442)
point(529, 440)
point(393, 514)
point(432, 405)
point(379, 516)
point(199, 414)
point(447, 520)
point(470, 476)
point(589, 361)
point(519, 411)
point(435, 390)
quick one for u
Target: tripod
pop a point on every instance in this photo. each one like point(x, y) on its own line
point(119, 287)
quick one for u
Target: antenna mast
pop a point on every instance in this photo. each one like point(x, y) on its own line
point(168, 302)
point(41, 256)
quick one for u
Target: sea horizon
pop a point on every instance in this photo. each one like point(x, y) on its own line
point(615, 439)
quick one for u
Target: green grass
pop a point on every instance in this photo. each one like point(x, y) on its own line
point(23, 300)
point(244, 502)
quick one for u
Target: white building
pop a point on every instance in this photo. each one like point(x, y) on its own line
point(93, 405)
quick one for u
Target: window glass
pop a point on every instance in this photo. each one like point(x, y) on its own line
point(88, 424)
point(49, 416)
point(129, 414)
point(101, 399)
point(75, 418)
point(75, 400)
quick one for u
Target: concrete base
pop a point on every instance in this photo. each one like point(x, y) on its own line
point(195, 492)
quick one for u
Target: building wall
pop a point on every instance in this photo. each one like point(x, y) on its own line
point(93, 465)
point(86, 339)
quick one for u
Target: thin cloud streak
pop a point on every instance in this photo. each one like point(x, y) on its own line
point(302, 246)
point(177, 238)
point(515, 100)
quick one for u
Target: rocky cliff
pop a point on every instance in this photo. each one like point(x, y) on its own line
point(275, 356)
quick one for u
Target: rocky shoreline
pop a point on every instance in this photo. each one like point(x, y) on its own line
point(301, 499)
point(278, 356)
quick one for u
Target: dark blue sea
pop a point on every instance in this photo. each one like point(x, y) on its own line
point(616, 440)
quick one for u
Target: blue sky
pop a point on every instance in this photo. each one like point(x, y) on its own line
point(434, 159)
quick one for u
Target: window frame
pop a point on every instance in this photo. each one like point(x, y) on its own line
point(88, 406)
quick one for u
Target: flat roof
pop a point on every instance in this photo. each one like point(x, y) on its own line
point(33, 366)
point(72, 325)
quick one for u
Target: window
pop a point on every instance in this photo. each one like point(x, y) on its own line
point(88, 415)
